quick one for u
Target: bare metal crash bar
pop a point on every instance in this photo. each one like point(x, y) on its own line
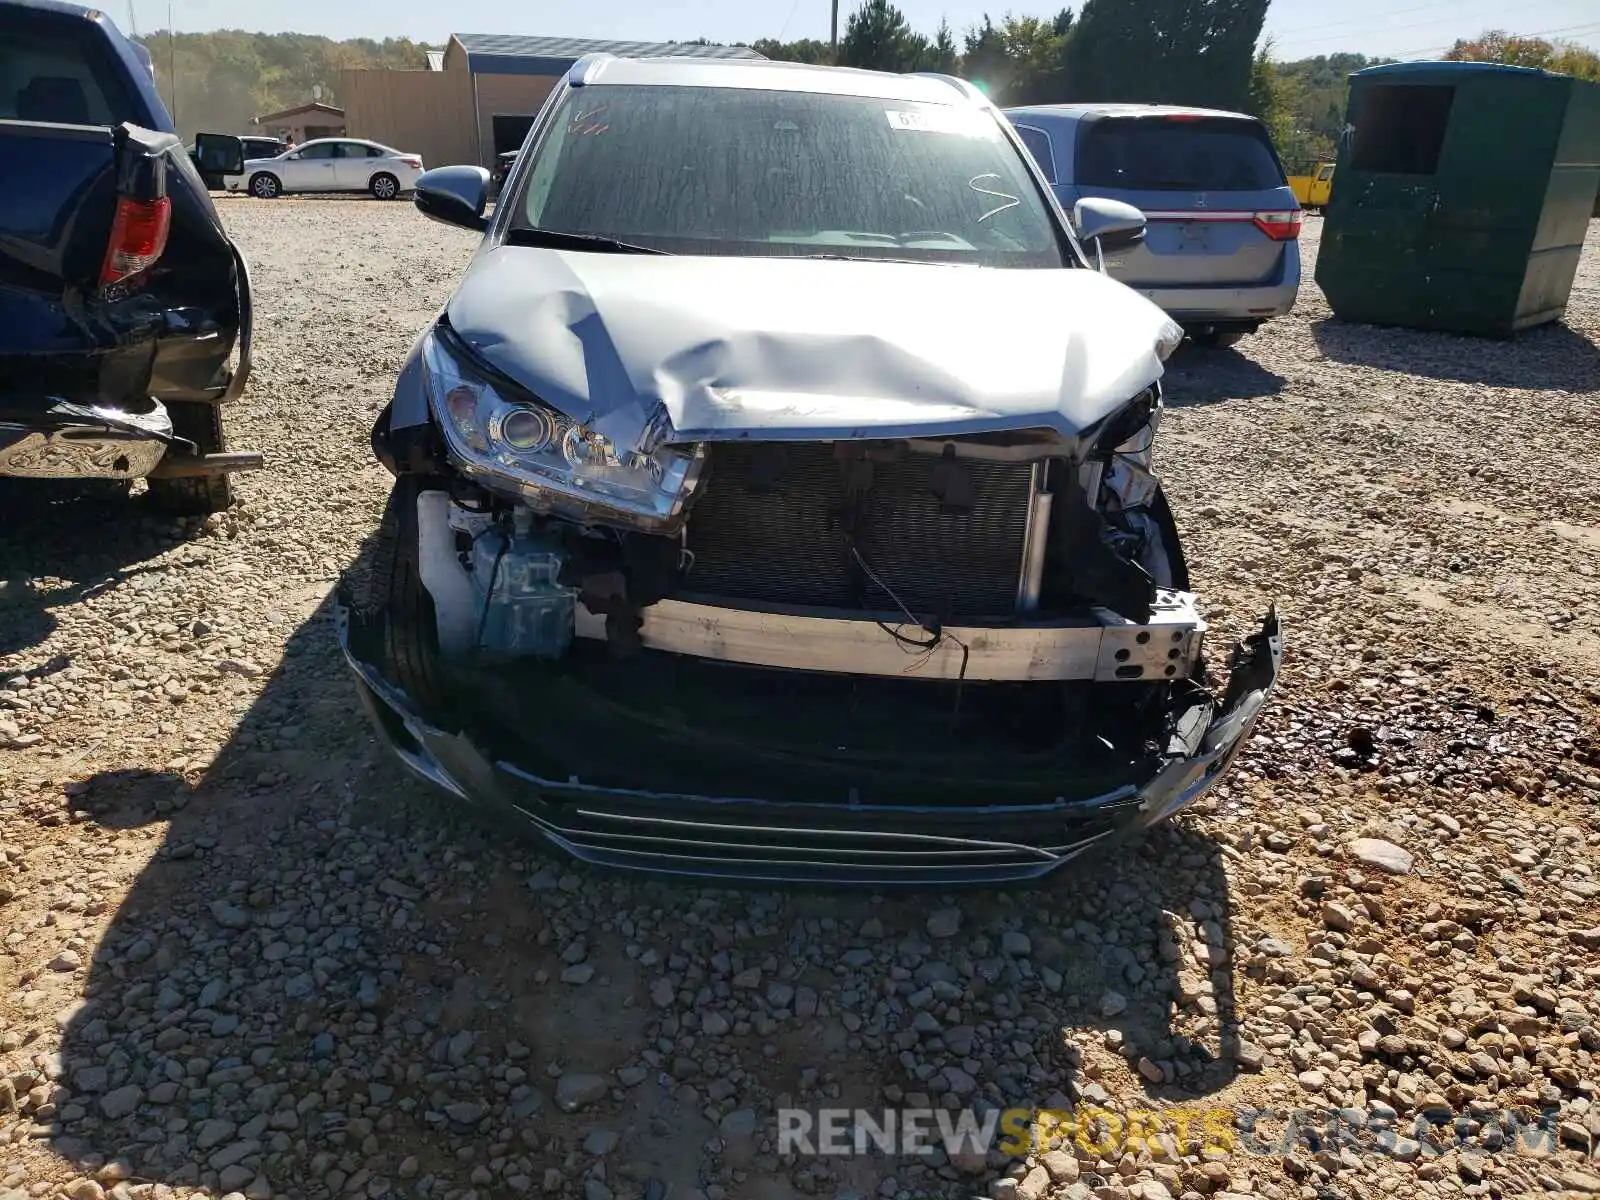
point(1106, 648)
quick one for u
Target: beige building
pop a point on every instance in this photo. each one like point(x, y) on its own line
point(303, 123)
point(480, 96)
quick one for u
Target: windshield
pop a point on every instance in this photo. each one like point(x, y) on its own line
point(700, 170)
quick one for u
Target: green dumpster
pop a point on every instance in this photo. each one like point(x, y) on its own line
point(1462, 196)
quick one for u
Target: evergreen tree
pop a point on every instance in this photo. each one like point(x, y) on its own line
point(878, 37)
point(1165, 51)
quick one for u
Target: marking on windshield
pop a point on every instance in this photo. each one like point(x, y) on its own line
point(588, 121)
point(939, 120)
point(1010, 200)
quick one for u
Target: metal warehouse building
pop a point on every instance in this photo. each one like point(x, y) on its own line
point(481, 97)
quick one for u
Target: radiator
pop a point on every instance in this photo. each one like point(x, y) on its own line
point(771, 526)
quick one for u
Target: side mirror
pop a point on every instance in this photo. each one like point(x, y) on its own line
point(454, 195)
point(1110, 224)
point(219, 153)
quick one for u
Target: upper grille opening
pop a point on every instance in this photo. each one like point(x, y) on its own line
point(777, 521)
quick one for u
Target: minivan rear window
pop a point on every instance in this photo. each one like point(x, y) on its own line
point(1166, 154)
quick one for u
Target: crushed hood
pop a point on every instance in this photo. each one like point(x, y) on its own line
point(800, 348)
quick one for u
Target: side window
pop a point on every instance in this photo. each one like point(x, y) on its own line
point(1038, 143)
point(321, 150)
point(1400, 128)
point(1325, 174)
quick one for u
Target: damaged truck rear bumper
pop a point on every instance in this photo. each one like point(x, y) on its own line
point(772, 840)
point(65, 440)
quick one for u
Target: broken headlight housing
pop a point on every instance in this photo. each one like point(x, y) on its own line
point(510, 440)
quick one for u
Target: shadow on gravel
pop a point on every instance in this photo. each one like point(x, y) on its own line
point(1550, 358)
point(1199, 375)
point(60, 544)
point(323, 985)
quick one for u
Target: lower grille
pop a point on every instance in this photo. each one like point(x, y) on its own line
point(772, 527)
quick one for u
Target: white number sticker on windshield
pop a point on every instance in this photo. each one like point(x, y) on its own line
point(940, 120)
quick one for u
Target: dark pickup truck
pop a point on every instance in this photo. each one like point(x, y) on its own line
point(123, 302)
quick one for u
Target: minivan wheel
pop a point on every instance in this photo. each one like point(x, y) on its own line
point(265, 186)
point(384, 186)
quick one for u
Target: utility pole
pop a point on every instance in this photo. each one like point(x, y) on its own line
point(833, 37)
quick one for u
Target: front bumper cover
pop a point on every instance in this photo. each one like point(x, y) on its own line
point(767, 841)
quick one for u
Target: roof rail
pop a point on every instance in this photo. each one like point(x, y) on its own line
point(966, 88)
point(583, 71)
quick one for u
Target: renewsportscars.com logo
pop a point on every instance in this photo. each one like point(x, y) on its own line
point(1105, 1133)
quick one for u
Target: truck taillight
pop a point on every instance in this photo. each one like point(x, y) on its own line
point(1280, 226)
point(138, 237)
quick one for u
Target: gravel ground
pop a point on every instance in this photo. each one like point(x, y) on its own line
point(243, 954)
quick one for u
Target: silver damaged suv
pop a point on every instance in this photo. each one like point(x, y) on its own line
point(774, 498)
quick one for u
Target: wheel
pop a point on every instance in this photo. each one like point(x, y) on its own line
point(194, 495)
point(384, 186)
point(265, 186)
point(393, 593)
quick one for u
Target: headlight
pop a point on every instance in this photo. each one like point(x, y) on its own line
point(509, 438)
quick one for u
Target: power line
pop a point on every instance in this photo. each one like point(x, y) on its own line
point(1399, 12)
point(1538, 33)
point(1454, 18)
point(786, 20)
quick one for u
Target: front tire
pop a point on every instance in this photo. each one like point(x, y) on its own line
point(194, 495)
point(384, 186)
point(394, 594)
point(266, 186)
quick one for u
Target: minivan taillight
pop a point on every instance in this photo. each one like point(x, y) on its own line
point(1280, 226)
point(138, 237)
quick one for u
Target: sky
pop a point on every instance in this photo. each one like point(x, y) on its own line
point(1299, 28)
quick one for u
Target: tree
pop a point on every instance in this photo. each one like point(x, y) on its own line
point(1316, 93)
point(805, 50)
point(878, 36)
point(1272, 100)
point(1165, 51)
point(226, 77)
point(942, 53)
point(987, 62)
point(1496, 46)
point(1037, 50)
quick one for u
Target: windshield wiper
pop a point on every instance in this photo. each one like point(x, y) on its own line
point(551, 239)
point(859, 258)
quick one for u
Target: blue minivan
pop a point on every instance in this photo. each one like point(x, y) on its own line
point(1221, 254)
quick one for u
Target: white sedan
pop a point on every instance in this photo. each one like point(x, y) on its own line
point(330, 165)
